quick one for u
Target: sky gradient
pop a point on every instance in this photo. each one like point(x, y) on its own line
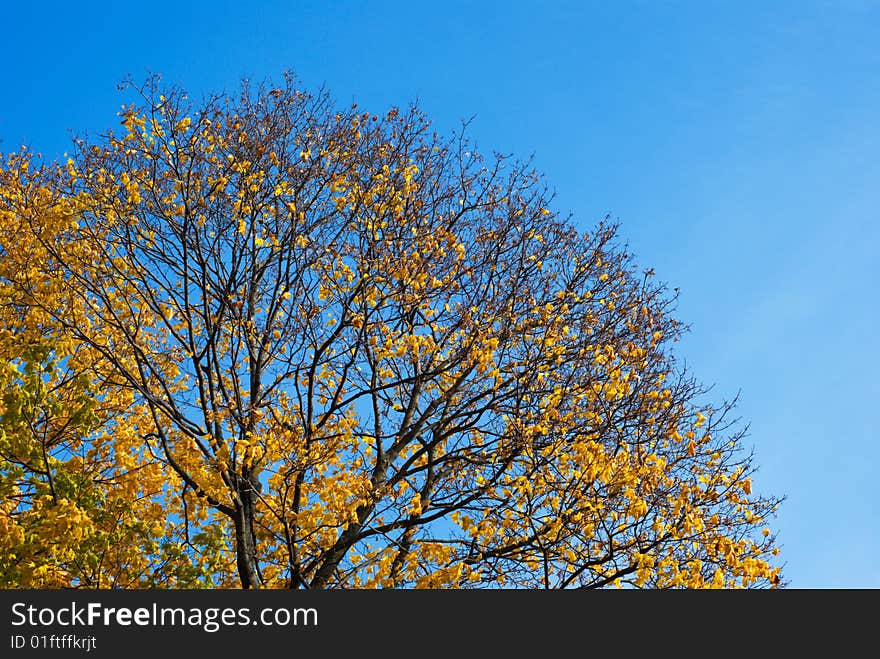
point(736, 142)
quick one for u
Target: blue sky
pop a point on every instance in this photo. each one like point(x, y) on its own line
point(736, 142)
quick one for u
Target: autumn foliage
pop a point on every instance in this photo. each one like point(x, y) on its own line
point(263, 341)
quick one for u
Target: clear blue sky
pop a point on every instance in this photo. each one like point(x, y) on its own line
point(737, 143)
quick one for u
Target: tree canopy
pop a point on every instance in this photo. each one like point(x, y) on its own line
point(262, 340)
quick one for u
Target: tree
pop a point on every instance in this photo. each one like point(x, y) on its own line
point(372, 357)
